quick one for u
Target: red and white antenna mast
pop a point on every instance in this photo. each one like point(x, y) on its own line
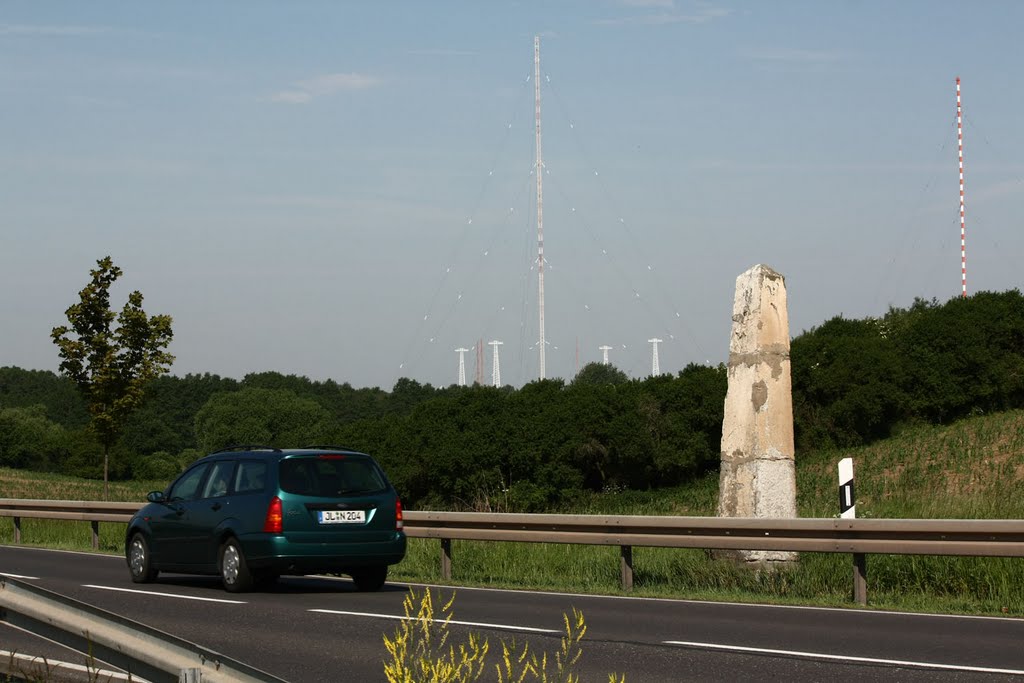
point(960, 148)
point(479, 378)
point(540, 203)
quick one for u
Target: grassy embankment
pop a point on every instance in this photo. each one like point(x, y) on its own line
point(971, 469)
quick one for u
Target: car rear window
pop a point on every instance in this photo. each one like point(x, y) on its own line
point(330, 476)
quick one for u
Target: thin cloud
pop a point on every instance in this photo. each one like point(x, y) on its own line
point(734, 165)
point(51, 30)
point(307, 90)
point(701, 14)
point(794, 56)
point(98, 165)
point(442, 52)
point(664, 4)
point(997, 191)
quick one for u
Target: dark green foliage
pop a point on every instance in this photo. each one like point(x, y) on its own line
point(848, 380)
point(856, 381)
point(166, 419)
point(493, 449)
point(691, 406)
point(58, 395)
point(160, 466)
point(964, 357)
point(28, 439)
point(270, 417)
point(344, 402)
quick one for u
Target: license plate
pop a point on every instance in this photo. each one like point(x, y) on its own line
point(342, 516)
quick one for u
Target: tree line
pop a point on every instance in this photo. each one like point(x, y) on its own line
point(854, 381)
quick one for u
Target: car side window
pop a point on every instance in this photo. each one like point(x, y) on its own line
point(187, 487)
point(250, 476)
point(217, 483)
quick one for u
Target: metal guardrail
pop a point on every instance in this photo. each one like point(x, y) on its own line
point(93, 512)
point(959, 537)
point(138, 649)
point(966, 537)
point(969, 538)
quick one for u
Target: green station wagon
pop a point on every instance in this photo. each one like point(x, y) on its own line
point(251, 514)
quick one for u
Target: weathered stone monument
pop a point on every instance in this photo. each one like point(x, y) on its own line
point(758, 477)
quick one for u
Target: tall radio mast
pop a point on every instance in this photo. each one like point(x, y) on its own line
point(960, 153)
point(462, 365)
point(540, 203)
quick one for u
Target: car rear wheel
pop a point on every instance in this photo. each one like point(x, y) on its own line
point(370, 578)
point(140, 563)
point(234, 571)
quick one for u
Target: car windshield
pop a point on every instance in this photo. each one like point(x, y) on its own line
point(333, 475)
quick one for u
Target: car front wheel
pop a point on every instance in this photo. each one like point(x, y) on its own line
point(234, 571)
point(140, 563)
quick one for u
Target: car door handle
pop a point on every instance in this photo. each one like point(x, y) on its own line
point(216, 506)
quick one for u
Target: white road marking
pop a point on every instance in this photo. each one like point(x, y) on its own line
point(163, 595)
point(687, 601)
point(51, 665)
point(401, 617)
point(19, 576)
point(98, 553)
point(846, 658)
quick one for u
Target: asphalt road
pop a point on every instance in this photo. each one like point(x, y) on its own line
point(319, 629)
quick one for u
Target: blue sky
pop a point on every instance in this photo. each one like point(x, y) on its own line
point(345, 189)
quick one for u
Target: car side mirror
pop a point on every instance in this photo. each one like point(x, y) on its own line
point(155, 496)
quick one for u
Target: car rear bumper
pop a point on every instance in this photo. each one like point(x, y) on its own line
point(278, 553)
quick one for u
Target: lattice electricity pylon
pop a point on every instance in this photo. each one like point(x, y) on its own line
point(462, 365)
point(655, 369)
point(496, 365)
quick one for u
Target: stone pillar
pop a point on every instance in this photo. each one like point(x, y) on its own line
point(758, 477)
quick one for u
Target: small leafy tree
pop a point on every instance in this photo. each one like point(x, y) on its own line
point(600, 373)
point(111, 364)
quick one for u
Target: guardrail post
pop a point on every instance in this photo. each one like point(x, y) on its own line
point(95, 535)
point(190, 676)
point(446, 559)
point(626, 567)
point(17, 529)
point(848, 510)
point(860, 578)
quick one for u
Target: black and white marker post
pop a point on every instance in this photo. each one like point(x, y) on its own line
point(848, 510)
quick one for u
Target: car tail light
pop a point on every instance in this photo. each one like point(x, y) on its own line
point(398, 515)
point(273, 522)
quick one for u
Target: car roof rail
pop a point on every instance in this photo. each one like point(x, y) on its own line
point(246, 447)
